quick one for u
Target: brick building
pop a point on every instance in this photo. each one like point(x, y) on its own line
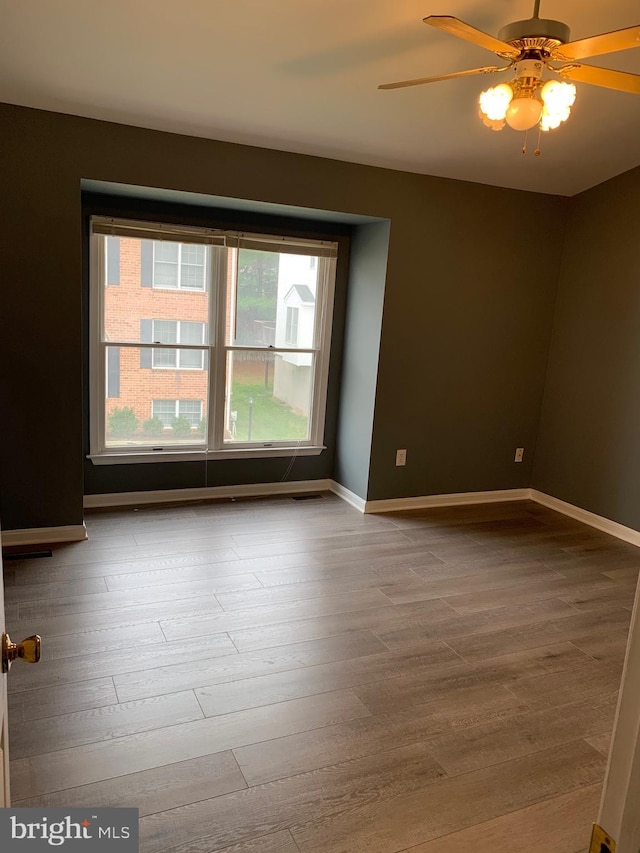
point(156, 292)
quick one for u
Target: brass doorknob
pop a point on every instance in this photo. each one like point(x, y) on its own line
point(28, 650)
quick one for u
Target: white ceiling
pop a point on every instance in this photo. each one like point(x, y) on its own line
point(301, 75)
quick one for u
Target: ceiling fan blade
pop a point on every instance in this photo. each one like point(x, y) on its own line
point(620, 80)
point(458, 28)
point(487, 69)
point(597, 45)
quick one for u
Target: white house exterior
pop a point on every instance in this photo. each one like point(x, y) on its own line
point(295, 327)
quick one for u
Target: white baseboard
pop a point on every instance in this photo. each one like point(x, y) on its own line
point(45, 535)
point(348, 496)
point(251, 490)
point(75, 533)
point(627, 534)
point(460, 499)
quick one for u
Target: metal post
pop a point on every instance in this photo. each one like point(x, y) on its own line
point(250, 422)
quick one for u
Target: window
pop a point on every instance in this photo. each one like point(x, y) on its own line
point(178, 266)
point(291, 331)
point(177, 332)
point(235, 363)
point(170, 410)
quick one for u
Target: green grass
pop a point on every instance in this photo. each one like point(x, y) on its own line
point(272, 420)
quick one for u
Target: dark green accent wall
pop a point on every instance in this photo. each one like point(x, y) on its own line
point(465, 324)
point(588, 449)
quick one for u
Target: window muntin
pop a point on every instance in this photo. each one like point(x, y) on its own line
point(239, 338)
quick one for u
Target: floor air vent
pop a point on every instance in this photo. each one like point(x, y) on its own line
point(8, 554)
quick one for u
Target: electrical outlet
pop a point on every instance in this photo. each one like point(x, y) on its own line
point(401, 457)
point(519, 454)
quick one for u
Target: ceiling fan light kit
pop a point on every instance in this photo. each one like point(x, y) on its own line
point(530, 47)
point(527, 101)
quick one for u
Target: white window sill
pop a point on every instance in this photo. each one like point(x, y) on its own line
point(136, 458)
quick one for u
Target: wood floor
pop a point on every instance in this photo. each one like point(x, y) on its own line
point(282, 676)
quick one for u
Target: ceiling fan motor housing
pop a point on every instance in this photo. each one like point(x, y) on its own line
point(535, 34)
point(529, 68)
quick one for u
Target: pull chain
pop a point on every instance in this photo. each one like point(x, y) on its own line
point(538, 152)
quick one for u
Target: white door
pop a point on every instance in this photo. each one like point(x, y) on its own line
point(28, 650)
point(4, 729)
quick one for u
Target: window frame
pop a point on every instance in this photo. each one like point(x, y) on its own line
point(216, 284)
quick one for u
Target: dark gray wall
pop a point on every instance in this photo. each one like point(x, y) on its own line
point(588, 449)
point(450, 303)
point(365, 298)
point(465, 339)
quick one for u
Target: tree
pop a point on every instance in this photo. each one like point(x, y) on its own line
point(258, 274)
point(257, 299)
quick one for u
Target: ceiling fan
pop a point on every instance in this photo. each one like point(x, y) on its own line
point(529, 47)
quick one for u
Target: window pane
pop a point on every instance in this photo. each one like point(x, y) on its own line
point(256, 298)
point(268, 285)
point(192, 267)
point(165, 410)
point(149, 410)
point(165, 250)
point(165, 332)
point(163, 358)
point(291, 329)
point(190, 333)
point(191, 410)
point(165, 275)
point(165, 264)
point(190, 359)
point(268, 396)
point(136, 305)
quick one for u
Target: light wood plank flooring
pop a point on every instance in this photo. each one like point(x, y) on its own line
point(281, 676)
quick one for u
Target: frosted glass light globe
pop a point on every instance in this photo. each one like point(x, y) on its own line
point(558, 99)
point(523, 113)
point(557, 95)
point(494, 101)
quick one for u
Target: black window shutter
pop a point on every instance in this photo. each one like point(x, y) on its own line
point(146, 333)
point(113, 260)
point(146, 263)
point(113, 371)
